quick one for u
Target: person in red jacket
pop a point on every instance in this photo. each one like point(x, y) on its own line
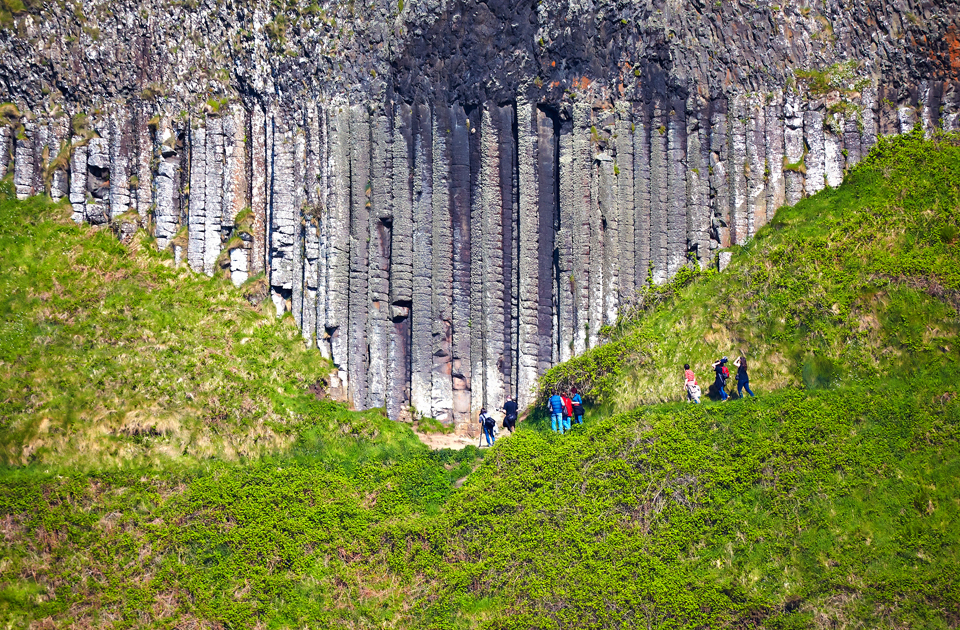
point(567, 411)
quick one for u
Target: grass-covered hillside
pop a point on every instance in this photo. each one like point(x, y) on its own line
point(855, 284)
point(110, 354)
point(830, 501)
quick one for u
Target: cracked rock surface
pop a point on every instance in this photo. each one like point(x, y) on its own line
point(452, 196)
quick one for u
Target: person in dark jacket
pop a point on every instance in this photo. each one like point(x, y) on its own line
point(743, 380)
point(577, 405)
point(510, 414)
point(722, 371)
point(486, 424)
point(556, 412)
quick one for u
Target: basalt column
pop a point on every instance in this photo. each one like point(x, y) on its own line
point(505, 123)
point(458, 147)
point(337, 232)
point(421, 357)
point(381, 223)
point(360, 202)
point(490, 327)
point(528, 338)
point(623, 169)
point(442, 274)
point(567, 273)
point(401, 264)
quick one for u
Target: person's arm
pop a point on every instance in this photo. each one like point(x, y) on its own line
point(736, 362)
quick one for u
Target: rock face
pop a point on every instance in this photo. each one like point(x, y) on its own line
point(452, 196)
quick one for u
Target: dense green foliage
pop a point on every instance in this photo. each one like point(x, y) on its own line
point(830, 502)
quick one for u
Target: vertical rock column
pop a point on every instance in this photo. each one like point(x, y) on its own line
point(505, 121)
point(6, 153)
point(461, 368)
point(677, 187)
point(421, 357)
point(794, 149)
point(60, 139)
point(833, 159)
point(378, 283)
point(166, 183)
point(529, 228)
point(143, 191)
point(360, 198)
point(719, 181)
point(337, 232)
point(441, 402)
point(258, 186)
point(24, 162)
point(773, 117)
point(579, 219)
point(314, 299)
point(641, 194)
point(659, 195)
point(196, 223)
point(491, 322)
point(698, 182)
point(401, 264)
point(121, 144)
point(78, 180)
point(815, 160)
point(737, 171)
point(213, 193)
point(566, 273)
point(623, 141)
point(609, 228)
point(755, 169)
point(284, 215)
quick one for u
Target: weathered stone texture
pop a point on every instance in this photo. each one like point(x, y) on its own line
point(446, 232)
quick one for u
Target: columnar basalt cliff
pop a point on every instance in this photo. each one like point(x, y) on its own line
point(450, 197)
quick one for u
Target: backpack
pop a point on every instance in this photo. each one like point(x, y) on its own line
point(725, 371)
point(489, 422)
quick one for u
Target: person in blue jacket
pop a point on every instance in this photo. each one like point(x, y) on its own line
point(556, 412)
point(577, 405)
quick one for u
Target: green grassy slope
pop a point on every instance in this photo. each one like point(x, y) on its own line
point(830, 501)
point(110, 354)
point(857, 283)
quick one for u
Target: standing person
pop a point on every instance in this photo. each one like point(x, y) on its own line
point(690, 384)
point(743, 379)
point(723, 373)
point(510, 414)
point(567, 411)
point(577, 405)
point(486, 424)
point(556, 412)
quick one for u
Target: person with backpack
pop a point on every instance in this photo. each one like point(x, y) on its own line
point(690, 384)
point(510, 414)
point(577, 405)
point(743, 380)
point(723, 373)
point(486, 425)
point(567, 411)
point(556, 412)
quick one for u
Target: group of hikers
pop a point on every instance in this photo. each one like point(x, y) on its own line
point(722, 373)
point(564, 410)
point(567, 410)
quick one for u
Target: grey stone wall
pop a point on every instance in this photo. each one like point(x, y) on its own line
point(445, 232)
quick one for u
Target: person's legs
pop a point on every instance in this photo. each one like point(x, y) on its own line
point(489, 433)
point(556, 423)
point(566, 423)
point(580, 418)
point(723, 391)
point(745, 385)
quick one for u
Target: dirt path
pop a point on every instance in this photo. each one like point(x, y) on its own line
point(436, 441)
